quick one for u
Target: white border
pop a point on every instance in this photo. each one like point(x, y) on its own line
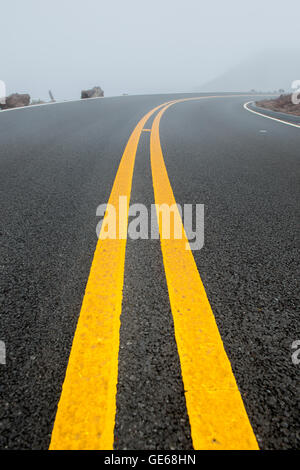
point(270, 117)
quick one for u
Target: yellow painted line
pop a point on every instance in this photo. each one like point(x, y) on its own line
point(86, 411)
point(216, 411)
point(85, 416)
point(146, 130)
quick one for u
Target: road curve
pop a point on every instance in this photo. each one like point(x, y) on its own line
point(58, 164)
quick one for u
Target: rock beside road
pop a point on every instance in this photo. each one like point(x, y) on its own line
point(283, 104)
point(95, 92)
point(16, 100)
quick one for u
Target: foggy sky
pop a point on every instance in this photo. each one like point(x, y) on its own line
point(135, 46)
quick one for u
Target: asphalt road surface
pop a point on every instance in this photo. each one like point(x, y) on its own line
point(159, 367)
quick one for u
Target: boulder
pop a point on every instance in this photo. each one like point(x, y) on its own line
point(16, 101)
point(95, 92)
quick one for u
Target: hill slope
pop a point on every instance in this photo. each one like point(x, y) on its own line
point(268, 72)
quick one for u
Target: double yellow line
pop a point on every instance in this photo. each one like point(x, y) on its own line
point(86, 411)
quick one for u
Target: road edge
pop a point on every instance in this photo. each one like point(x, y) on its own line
point(252, 108)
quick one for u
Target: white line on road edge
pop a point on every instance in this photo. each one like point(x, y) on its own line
point(48, 104)
point(269, 117)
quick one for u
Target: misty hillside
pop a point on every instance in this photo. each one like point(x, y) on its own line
point(268, 72)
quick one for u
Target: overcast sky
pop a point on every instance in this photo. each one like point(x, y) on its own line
point(135, 46)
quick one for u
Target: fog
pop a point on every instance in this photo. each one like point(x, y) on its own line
point(137, 46)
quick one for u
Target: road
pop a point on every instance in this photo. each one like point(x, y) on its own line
point(160, 366)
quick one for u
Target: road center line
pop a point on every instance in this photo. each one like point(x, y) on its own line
point(85, 416)
point(216, 411)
